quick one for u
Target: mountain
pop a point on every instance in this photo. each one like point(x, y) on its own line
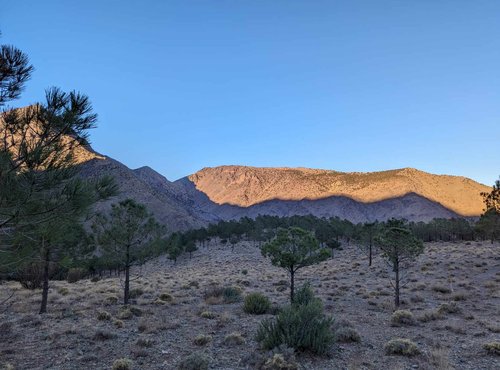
point(231, 192)
point(249, 186)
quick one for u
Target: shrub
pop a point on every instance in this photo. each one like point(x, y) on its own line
point(144, 342)
point(207, 315)
point(256, 304)
point(103, 315)
point(103, 335)
point(110, 300)
point(346, 334)
point(302, 327)
point(31, 276)
point(135, 293)
point(304, 295)
point(122, 364)
point(430, 315)
point(223, 294)
point(234, 339)
point(195, 361)
point(279, 362)
point(493, 348)
point(202, 340)
point(63, 291)
point(75, 274)
point(402, 318)
point(403, 347)
point(125, 314)
point(244, 272)
point(118, 323)
point(165, 297)
point(450, 307)
point(441, 289)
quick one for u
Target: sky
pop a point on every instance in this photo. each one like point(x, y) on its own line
point(344, 85)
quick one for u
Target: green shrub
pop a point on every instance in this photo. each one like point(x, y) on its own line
point(402, 318)
point(304, 295)
point(403, 347)
point(231, 294)
point(256, 304)
point(195, 361)
point(75, 274)
point(300, 326)
point(493, 348)
point(122, 364)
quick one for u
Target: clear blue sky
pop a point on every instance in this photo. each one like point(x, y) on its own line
point(345, 85)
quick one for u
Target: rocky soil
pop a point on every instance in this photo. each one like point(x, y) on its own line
point(87, 327)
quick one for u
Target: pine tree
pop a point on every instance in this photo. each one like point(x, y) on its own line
point(124, 234)
point(293, 249)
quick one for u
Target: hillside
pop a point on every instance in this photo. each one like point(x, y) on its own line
point(248, 186)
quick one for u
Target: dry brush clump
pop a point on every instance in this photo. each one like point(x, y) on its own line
point(195, 361)
point(402, 318)
point(345, 332)
point(493, 348)
point(122, 364)
point(218, 295)
point(402, 347)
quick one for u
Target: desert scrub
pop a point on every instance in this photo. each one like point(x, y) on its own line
point(144, 342)
point(234, 339)
point(63, 291)
point(122, 364)
point(493, 348)
point(441, 289)
point(207, 315)
point(450, 307)
point(102, 335)
point(135, 293)
point(103, 316)
point(402, 318)
point(402, 347)
point(217, 295)
point(202, 340)
point(300, 326)
point(195, 361)
point(256, 304)
point(345, 332)
point(430, 315)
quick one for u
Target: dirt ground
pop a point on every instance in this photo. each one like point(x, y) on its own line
point(453, 292)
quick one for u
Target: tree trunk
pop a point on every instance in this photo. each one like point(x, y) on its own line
point(292, 285)
point(127, 277)
point(45, 289)
point(370, 255)
point(396, 287)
